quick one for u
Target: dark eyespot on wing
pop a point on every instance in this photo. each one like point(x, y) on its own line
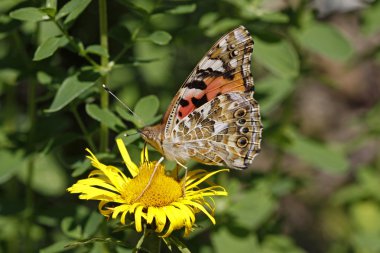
point(184, 102)
point(200, 85)
point(198, 102)
point(209, 72)
point(228, 75)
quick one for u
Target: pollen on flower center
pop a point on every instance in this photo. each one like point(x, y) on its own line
point(162, 191)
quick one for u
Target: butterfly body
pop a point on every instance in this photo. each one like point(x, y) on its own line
point(214, 118)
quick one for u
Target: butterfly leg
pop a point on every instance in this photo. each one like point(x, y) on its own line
point(184, 177)
point(150, 179)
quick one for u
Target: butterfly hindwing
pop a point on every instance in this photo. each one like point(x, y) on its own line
point(226, 131)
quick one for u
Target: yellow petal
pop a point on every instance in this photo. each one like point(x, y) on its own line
point(187, 213)
point(138, 218)
point(106, 212)
point(160, 220)
point(96, 182)
point(116, 177)
point(151, 214)
point(123, 209)
point(200, 207)
point(172, 220)
point(208, 175)
point(144, 155)
point(133, 169)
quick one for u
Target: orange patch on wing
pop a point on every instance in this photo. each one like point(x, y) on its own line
point(186, 110)
point(215, 87)
point(220, 85)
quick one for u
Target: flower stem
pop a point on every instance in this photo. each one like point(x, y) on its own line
point(104, 61)
point(150, 242)
point(87, 136)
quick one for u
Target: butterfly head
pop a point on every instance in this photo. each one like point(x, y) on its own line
point(152, 135)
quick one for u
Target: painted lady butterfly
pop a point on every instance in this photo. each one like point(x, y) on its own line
point(213, 118)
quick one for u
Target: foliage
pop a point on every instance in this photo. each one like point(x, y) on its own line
point(314, 187)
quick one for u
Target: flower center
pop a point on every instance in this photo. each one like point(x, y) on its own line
point(162, 191)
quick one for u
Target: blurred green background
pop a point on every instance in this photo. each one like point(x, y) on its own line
point(315, 187)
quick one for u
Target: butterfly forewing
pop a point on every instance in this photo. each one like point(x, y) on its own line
point(225, 68)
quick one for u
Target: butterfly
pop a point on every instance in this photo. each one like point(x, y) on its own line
point(214, 119)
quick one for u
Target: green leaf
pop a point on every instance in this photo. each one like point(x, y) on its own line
point(69, 230)
point(280, 58)
point(364, 241)
point(49, 11)
point(98, 50)
point(317, 154)
point(263, 207)
point(372, 119)
point(139, 243)
point(71, 88)
point(29, 14)
point(48, 47)
point(276, 90)
point(128, 116)
point(94, 243)
point(172, 240)
point(325, 40)
point(72, 9)
point(365, 216)
point(80, 167)
point(92, 224)
point(146, 108)
point(208, 19)
point(9, 75)
point(10, 163)
point(46, 167)
point(370, 181)
point(43, 77)
point(104, 116)
point(55, 247)
point(225, 241)
point(274, 17)
point(143, 8)
point(146, 6)
point(371, 19)
point(52, 4)
point(160, 38)
point(279, 244)
point(129, 136)
point(183, 9)
point(222, 26)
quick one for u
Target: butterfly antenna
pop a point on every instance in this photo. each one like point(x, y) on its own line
point(121, 102)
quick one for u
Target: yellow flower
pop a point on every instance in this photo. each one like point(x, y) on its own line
point(164, 205)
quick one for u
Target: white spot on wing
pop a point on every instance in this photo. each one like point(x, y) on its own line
point(233, 63)
point(206, 109)
point(213, 64)
point(223, 43)
point(220, 126)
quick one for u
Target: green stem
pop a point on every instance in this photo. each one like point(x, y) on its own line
point(152, 242)
point(149, 242)
point(29, 199)
point(80, 51)
point(27, 218)
point(87, 135)
point(104, 61)
point(133, 39)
